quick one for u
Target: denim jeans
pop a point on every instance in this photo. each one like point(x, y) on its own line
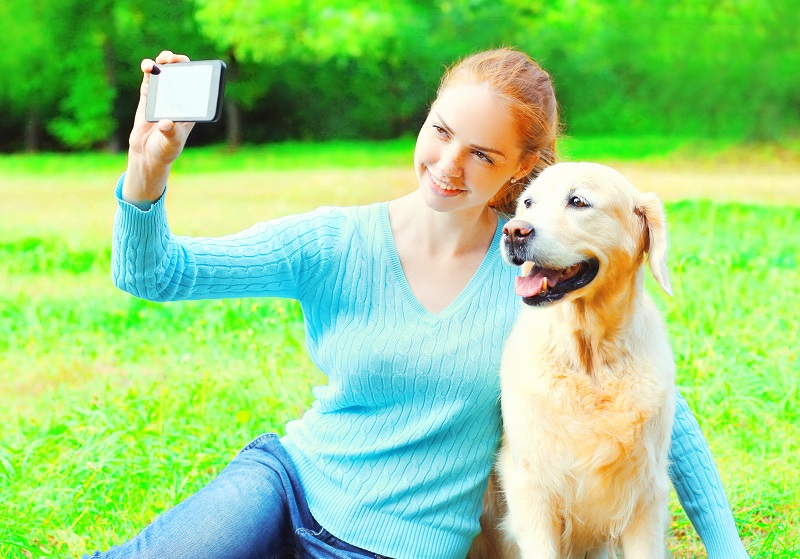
point(254, 509)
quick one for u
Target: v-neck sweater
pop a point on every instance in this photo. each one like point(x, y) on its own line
point(395, 452)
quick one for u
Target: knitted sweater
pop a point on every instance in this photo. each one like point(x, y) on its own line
point(395, 452)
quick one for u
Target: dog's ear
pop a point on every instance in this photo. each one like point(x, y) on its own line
point(651, 210)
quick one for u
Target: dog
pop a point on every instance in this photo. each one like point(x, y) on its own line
point(587, 376)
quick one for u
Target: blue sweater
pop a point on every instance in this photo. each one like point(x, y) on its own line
point(395, 452)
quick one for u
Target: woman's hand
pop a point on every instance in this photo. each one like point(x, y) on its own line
point(153, 145)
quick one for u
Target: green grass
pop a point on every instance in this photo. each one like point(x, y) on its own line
point(281, 156)
point(392, 153)
point(114, 408)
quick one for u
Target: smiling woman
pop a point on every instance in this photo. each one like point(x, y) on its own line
point(526, 91)
point(452, 157)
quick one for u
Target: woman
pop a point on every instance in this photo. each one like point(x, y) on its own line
point(406, 306)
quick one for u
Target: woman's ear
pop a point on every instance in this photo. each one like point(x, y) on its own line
point(651, 210)
point(526, 165)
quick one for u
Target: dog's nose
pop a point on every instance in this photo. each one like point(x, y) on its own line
point(517, 230)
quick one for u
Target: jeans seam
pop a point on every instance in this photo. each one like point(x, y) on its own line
point(255, 442)
point(304, 530)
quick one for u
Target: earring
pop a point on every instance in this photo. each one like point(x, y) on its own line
point(513, 181)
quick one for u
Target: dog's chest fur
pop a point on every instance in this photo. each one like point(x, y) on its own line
point(577, 418)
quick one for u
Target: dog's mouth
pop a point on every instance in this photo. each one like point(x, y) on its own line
point(541, 286)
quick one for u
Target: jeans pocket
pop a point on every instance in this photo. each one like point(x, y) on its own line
point(324, 545)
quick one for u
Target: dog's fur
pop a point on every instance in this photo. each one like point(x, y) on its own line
point(587, 377)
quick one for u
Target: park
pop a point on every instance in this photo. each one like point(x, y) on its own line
point(115, 408)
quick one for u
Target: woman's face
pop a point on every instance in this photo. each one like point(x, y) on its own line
point(467, 149)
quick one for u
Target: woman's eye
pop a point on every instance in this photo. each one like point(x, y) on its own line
point(439, 130)
point(528, 202)
point(578, 202)
point(483, 157)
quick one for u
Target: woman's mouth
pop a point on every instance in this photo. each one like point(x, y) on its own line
point(442, 188)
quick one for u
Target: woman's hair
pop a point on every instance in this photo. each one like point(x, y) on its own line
point(528, 90)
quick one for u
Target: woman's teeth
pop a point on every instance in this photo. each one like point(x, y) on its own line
point(442, 185)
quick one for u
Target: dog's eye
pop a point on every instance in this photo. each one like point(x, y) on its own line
point(578, 202)
point(528, 202)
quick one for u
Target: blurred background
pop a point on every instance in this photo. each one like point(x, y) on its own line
point(115, 408)
point(350, 69)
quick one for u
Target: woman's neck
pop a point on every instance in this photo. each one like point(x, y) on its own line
point(446, 234)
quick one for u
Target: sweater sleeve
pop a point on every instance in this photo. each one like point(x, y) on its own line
point(699, 488)
point(281, 258)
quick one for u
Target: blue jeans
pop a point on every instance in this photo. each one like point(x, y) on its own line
point(254, 509)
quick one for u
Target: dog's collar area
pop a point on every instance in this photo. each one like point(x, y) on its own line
point(549, 286)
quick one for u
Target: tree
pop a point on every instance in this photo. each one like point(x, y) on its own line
point(32, 80)
point(70, 59)
point(368, 69)
point(355, 68)
point(685, 67)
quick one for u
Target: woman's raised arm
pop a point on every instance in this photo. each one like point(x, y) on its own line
point(153, 145)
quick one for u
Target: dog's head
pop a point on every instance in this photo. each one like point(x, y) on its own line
point(579, 225)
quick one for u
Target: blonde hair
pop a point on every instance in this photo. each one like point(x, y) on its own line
point(528, 91)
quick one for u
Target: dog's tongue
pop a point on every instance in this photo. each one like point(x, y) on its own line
point(531, 285)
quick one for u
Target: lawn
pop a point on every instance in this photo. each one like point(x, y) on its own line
point(115, 408)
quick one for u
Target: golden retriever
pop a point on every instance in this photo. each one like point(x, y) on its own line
point(587, 376)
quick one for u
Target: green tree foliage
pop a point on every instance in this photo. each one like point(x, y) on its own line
point(693, 67)
point(67, 60)
point(85, 109)
point(349, 68)
point(368, 69)
point(307, 30)
point(30, 80)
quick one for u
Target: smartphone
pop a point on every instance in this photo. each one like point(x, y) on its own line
point(186, 91)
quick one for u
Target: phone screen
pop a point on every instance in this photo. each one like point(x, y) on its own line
point(186, 92)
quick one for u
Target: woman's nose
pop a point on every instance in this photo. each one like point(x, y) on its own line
point(450, 161)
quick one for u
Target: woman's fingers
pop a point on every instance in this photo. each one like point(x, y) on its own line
point(168, 57)
point(147, 65)
point(140, 124)
point(162, 141)
point(175, 133)
point(167, 127)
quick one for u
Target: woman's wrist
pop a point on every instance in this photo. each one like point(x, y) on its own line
point(143, 186)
